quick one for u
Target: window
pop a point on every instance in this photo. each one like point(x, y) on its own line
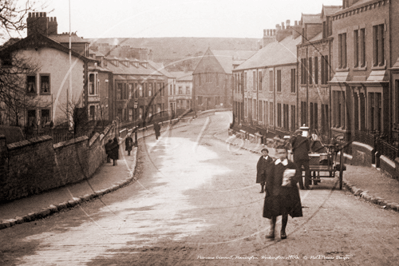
point(180, 90)
point(217, 79)
point(316, 70)
point(91, 84)
point(31, 84)
point(304, 113)
point(92, 112)
point(311, 116)
point(266, 107)
point(293, 80)
point(140, 90)
point(310, 71)
point(170, 90)
point(145, 89)
point(304, 71)
point(260, 80)
point(279, 114)
point(260, 111)
point(270, 80)
point(286, 116)
point(149, 89)
point(279, 80)
point(188, 90)
point(32, 118)
point(271, 114)
point(130, 90)
point(44, 84)
point(254, 80)
point(130, 114)
point(362, 47)
point(119, 91)
point(324, 69)
point(174, 89)
point(245, 81)
point(356, 48)
point(342, 50)
point(45, 117)
point(378, 45)
point(293, 127)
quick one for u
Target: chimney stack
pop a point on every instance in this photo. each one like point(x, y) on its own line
point(282, 26)
point(288, 23)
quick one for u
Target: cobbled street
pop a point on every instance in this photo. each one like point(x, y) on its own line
point(195, 202)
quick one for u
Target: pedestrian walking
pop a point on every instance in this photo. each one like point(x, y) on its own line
point(128, 144)
point(157, 129)
point(263, 168)
point(282, 194)
point(114, 154)
point(108, 150)
point(300, 148)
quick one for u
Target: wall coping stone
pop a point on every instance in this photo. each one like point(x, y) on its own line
point(94, 138)
point(388, 161)
point(366, 146)
point(70, 142)
point(24, 143)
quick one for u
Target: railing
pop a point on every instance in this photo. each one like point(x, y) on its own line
point(365, 137)
point(387, 149)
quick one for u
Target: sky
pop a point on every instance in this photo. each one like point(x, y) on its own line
point(177, 18)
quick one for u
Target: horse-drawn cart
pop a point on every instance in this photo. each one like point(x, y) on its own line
point(326, 164)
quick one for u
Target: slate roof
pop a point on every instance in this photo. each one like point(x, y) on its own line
point(317, 37)
point(160, 67)
point(183, 76)
point(275, 53)
point(330, 10)
point(311, 19)
point(121, 69)
point(63, 38)
point(226, 58)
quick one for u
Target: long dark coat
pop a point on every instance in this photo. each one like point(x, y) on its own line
point(264, 168)
point(157, 129)
point(280, 199)
point(114, 153)
point(300, 148)
point(128, 143)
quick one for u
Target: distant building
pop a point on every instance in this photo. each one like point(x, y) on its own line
point(182, 98)
point(213, 79)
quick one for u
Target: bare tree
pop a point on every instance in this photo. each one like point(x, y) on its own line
point(13, 16)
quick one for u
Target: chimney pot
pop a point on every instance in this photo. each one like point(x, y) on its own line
point(296, 23)
point(288, 23)
point(264, 33)
point(282, 25)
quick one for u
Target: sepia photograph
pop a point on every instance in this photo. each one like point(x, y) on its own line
point(199, 132)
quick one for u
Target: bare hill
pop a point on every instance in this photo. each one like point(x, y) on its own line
point(173, 49)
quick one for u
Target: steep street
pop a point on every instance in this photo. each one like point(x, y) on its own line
point(195, 202)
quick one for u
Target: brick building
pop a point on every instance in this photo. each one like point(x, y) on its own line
point(265, 91)
point(182, 96)
point(213, 80)
point(361, 88)
point(314, 54)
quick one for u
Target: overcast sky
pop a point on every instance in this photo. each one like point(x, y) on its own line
point(179, 18)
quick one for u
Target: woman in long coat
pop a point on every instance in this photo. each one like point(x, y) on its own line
point(114, 154)
point(263, 168)
point(128, 143)
point(281, 200)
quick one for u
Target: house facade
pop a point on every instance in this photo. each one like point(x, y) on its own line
point(183, 93)
point(213, 78)
point(265, 94)
point(314, 55)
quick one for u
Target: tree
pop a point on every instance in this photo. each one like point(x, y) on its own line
point(13, 17)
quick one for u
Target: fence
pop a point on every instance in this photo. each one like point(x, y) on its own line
point(387, 149)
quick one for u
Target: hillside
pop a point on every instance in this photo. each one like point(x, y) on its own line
point(170, 50)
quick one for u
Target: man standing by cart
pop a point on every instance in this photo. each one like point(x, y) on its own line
point(300, 149)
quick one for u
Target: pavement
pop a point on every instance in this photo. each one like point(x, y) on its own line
point(367, 183)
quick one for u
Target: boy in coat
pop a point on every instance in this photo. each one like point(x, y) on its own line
point(263, 168)
point(281, 200)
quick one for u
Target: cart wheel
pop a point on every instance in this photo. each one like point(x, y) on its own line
point(341, 164)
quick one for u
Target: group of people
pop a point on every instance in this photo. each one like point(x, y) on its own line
point(279, 179)
point(112, 147)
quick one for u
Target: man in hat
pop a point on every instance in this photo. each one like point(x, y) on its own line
point(300, 149)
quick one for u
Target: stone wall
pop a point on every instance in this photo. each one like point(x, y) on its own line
point(362, 154)
point(33, 166)
point(28, 168)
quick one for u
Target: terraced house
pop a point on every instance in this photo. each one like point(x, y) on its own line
point(265, 94)
point(314, 55)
